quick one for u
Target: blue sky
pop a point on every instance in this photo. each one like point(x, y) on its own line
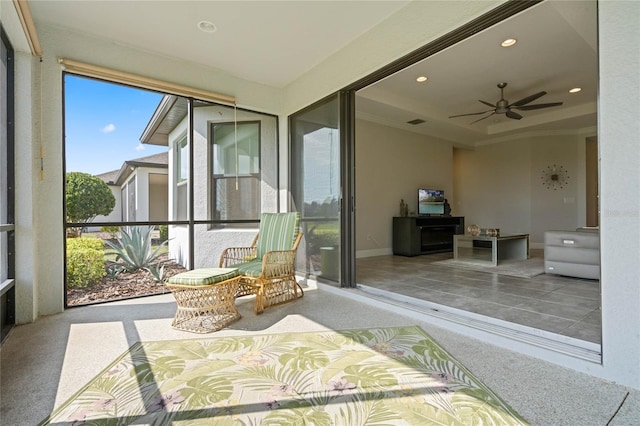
point(104, 123)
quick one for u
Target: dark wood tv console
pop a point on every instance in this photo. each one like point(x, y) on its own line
point(416, 235)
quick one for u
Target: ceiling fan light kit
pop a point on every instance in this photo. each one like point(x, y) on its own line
point(504, 107)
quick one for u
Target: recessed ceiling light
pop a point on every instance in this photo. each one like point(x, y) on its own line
point(575, 90)
point(207, 27)
point(509, 42)
point(421, 79)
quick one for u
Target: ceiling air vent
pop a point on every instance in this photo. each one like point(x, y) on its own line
point(416, 121)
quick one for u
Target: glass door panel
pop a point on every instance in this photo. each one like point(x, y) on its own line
point(315, 187)
point(7, 228)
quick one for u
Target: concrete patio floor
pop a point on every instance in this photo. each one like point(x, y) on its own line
point(44, 363)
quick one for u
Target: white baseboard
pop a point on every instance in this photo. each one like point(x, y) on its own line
point(375, 252)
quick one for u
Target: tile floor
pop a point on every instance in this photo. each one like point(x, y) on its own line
point(561, 305)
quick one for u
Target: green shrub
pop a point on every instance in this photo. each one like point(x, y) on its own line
point(112, 230)
point(322, 236)
point(86, 197)
point(88, 243)
point(85, 261)
point(164, 232)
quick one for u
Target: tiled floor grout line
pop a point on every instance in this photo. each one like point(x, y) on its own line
point(412, 268)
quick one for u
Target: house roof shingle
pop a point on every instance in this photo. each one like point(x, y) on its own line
point(116, 177)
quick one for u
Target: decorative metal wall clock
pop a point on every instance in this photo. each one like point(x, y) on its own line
point(554, 177)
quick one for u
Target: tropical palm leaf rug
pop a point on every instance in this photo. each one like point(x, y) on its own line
point(389, 376)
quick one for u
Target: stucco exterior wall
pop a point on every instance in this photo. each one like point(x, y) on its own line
point(619, 134)
point(210, 242)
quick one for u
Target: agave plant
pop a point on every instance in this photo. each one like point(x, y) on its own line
point(157, 272)
point(134, 247)
point(113, 269)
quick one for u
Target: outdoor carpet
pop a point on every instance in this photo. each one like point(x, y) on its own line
point(396, 375)
point(514, 268)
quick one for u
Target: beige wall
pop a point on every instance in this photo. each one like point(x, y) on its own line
point(494, 186)
point(500, 185)
point(391, 164)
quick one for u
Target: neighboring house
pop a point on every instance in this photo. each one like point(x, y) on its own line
point(140, 188)
point(234, 174)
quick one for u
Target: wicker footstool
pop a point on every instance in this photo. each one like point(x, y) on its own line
point(205, 298)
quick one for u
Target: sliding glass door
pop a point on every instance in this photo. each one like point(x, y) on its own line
point(316, 187)
point(7, 229)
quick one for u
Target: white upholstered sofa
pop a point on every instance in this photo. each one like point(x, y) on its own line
point(573, 253)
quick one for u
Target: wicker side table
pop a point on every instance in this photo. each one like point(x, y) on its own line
point(205, 299)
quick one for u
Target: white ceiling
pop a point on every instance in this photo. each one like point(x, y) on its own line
point(556, 51)
point(276, 42)
point(270, 42)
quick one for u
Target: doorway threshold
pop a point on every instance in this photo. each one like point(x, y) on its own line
point(545, 340)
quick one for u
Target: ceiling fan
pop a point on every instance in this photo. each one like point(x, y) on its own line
point(504, 107)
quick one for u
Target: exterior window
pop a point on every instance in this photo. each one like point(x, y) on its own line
point(182, 179)
point(131, 189)
point(236, 171)
point(128, 197)
point(123, 205)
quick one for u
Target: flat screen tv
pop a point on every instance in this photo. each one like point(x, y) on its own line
point(430, 202)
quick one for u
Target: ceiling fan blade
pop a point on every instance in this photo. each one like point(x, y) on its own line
point(473, 113)
point(487, 103)
point(483, 118)
point(537, 106)
point(528, 99)
point(514, 115)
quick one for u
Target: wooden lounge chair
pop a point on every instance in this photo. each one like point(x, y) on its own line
point(267, 268)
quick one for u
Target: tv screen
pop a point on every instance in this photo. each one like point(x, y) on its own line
point(430, 201)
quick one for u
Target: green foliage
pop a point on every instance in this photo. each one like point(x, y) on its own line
point(134, 247)
point(164, 232)
point(86, 197)
point(85, 261)
point(112, 230)
point(87, 243)
point(113, 270)
point(323, 235)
